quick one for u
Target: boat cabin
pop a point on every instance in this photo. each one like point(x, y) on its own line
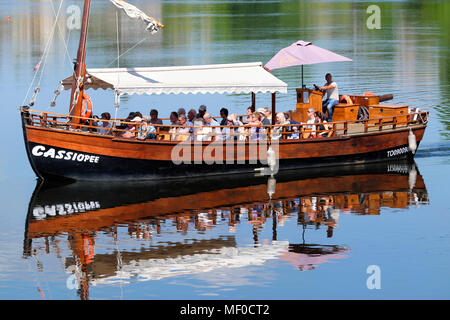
point(347, 109)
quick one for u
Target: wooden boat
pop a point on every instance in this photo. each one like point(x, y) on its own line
point(67, 147)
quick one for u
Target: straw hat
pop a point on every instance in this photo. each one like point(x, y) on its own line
point(261, 110)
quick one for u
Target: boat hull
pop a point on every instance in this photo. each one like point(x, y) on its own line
point(59, 154)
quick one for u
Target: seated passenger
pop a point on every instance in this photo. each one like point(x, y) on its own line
point(123, 125)
point(239, 132)
point(255, 126)
point(247, 125)
point(142, 128)
point(94, 123)
point(131, 128)
point(192, 114)
point(249, 116)
point(131, 115)
point(263, 118)
point(87, 123)
point(268, 114)
point(311, 121)
point(190, 120)
point(174, 118)
point(106, 125)
point(278, 128)
point(323, 125)
point(207, 131)
point(181, 111)
point(201, 112)
point(173, 121)
point(154, 117)
point(146, 130)
point(227, 131)
point(182, 133)
point(224, 115)
point(288, 118)
point(198, 129)
point(294, 134)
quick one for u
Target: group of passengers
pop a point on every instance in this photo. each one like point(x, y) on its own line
point(201, 126)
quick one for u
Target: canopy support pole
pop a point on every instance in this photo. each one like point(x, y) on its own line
point(253, 102)
point(116, 99)
point(273, 108)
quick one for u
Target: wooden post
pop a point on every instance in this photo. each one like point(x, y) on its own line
point(302, 76)
point(274, 116)
point(274, 225)
point(253, 102)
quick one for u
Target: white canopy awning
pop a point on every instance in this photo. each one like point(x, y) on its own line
point(219, 78)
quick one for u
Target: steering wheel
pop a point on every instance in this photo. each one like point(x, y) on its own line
point(318, 89)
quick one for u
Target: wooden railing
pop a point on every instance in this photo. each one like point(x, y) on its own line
point(278, 131)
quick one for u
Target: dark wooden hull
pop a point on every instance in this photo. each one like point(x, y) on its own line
point(62, 154)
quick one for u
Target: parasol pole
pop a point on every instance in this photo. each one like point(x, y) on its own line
point(302, 76)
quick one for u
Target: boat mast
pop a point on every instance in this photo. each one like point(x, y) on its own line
point(79, 74)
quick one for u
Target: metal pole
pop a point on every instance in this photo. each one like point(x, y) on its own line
point(273, 109)
point(302, 76)
point(253, 102)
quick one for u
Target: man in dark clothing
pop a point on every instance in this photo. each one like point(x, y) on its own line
point(263, 119)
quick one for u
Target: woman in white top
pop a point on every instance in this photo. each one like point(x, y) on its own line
point(311, 121)
point(278, 128)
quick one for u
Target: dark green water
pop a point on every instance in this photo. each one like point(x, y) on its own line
point(310, 242)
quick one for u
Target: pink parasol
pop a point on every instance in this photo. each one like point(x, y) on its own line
point(309, 256)
point(301, 53)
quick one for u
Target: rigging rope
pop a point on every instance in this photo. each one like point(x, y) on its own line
point(43, 58)
point(116, 96)
point(63, 38)
point(134, 13)
point(128, 50)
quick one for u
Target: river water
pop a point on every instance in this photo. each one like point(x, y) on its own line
point(371, 232)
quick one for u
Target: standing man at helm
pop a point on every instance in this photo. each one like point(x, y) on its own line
point(332, 99)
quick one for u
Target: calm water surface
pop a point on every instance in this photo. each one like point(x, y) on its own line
point(302, 235)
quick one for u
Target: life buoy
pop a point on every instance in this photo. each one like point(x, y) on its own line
point(88, 246)
point(86, 107)
point(346, 98)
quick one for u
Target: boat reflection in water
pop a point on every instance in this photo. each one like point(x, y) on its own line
point(188, 227)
